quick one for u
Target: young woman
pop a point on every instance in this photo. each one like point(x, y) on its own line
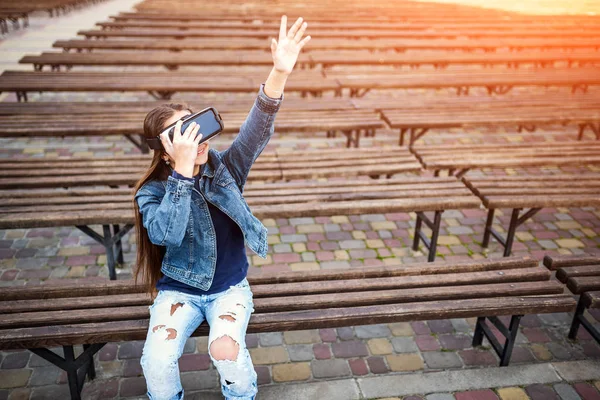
point(192, 226)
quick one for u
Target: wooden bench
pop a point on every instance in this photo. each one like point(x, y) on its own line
point(581, 274)
point(67, 186)
point(124, 31)
point(459, 159)
point(113, 207)
point(399, 45)
point(13, 14)
point(416, 123)
point(314, 59)
point(91, 315)
point(119, 21)
point(121, 122)
point(534, 192)
point(158, 84)
point(495, 81)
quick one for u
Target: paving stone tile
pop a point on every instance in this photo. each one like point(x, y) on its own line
point(130, 350)
point(132, 368)
point(535, 335)
point(485, 394)
point(16, 394)
point(521, 355)
point(401, 329)
point(566, 391)
point(541, 352)
point(302, 337)
point(14, 378)
point(200, 380)
point(420, 328)
point(441, 360)
point(328, 335)
point(541, 392)
point(427, 343)
point(291, 372)
point(345, 333)
point(591, 349)
point(349, 349)
point(404, 345)
point(477, 357)
point(352, 244)
point(263, 376)
point(300, 352)
point(330, 368)
point(270, 339)
point(251, 342)
point(43, 376)
point(405, 362)
point(15, 360)
point(269, 355)
point(455, 342)
point(586, 391)
point(380, 346)
point(440, 326)
point(50, 392)
point(512, 393)
point(358, 367)
point(377, 365)
point(194, 362)
point(440, 396)
point(321, 351)
point(372, 331)
point(461, 325)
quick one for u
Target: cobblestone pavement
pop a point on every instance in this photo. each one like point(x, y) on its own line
point(417, 349)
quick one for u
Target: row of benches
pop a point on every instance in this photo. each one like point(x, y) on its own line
point(91, 315)
point(164, 85)
point(316, 58)
point(26, 180)
point(351, 117)
point(398, 45)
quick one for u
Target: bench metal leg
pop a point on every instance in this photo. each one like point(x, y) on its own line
point(76, 367)
point(579, 319)
point(435, 232)
point(515, 222)
point(111, 242)
point(510, 334)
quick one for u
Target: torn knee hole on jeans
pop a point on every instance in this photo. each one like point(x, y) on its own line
point(224, 348)
point(228, 317)
point(171, 333)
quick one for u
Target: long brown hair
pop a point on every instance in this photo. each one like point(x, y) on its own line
point(149, 255)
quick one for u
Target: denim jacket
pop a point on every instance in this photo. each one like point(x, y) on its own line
point(176, 215)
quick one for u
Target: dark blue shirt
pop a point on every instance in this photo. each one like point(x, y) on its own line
point(232, 263)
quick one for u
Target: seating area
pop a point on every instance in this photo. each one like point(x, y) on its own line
point(95, 314)
point(406, 132)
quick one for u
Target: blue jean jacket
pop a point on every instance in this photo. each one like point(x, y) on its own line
point(176, 215)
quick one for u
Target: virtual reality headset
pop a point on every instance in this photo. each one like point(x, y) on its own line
point(209, 120)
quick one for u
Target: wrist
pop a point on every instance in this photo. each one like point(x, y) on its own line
point(187, 172)
point(276, 83)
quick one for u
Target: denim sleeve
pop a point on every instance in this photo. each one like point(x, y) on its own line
point(166, 218)
point(253, 137)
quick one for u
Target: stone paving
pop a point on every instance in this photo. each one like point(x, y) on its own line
point(318, 359)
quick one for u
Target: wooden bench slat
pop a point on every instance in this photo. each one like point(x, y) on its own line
point(553, 263)
point(51, 336)
point(301, 302)
point(592, 299)
point(579, 285)
point(563, 274)
point(119, 311)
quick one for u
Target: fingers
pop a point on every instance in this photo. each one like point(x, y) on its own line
point(294, 28)
point(300, 32)
point(303, 42)
point(167, 144)
point(192, 128)
point(273, 46)
point(177, 130)
point(282, 27)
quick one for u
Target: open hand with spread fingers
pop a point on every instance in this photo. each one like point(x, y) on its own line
point(285, 51)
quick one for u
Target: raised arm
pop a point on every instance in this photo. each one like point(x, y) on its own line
point(258, 127)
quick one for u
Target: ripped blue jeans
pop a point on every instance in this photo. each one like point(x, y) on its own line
point(174, 316)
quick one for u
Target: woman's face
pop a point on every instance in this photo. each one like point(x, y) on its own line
point(202, 156)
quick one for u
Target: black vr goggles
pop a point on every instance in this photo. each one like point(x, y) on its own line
point(209, 120)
